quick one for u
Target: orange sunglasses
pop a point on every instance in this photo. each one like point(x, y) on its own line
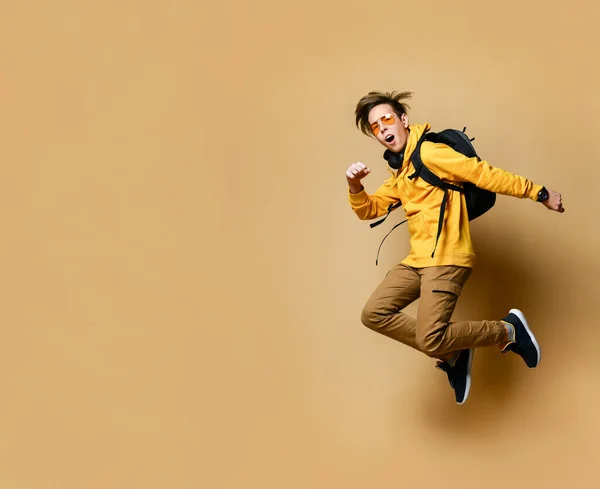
point(387, 119)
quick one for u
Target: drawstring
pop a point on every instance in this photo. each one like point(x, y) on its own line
point(377, 259)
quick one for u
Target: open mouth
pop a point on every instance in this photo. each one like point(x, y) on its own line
point(390, 138)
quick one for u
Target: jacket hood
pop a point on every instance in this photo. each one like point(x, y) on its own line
point(416, 131)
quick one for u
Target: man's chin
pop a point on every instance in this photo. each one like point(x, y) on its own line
point(395, 147)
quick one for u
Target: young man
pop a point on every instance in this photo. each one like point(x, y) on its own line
point(436, 279)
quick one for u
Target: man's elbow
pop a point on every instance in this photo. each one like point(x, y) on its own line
point(362, 214)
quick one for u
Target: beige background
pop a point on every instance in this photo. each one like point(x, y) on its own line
point(182, 276)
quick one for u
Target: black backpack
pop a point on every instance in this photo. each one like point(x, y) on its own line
point(478, 200)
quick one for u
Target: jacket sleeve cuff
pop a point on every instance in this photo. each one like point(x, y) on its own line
point(359, 198)
point(535, 190)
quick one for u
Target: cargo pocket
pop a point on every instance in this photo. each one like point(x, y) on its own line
point(446, 294)
point(446, 286)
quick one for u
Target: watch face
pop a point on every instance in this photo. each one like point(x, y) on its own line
point(543, 195)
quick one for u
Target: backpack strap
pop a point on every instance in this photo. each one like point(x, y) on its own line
point(391, 207)
point(426, 174)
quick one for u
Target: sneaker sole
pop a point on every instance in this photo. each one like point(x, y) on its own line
point(468, 386)
point(521, 316)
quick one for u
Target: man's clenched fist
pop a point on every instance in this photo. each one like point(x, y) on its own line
point(554, 201)
point(355, 173)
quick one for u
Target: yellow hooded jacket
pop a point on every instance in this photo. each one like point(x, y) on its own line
point(422, 201)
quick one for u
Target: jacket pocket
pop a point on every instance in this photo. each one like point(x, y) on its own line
point(429, 222)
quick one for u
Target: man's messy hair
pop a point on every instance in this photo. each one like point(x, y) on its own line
point(373, 99)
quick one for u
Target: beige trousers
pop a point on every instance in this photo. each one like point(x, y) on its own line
point(438, 290)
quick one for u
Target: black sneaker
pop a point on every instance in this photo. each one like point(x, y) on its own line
point(525, 343)
point(459, 375)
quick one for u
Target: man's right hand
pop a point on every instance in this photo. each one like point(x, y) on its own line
point(554, 201)
point(355, 173)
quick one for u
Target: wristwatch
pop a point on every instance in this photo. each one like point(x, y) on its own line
point(542, 195)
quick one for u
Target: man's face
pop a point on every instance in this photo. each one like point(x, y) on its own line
point(389, 129)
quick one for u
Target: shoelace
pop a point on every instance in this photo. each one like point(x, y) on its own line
point(514, 348)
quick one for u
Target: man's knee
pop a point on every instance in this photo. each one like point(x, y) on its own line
point(430, 344)
point(371, 316)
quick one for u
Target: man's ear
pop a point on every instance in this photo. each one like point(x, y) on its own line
point(404, 119)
